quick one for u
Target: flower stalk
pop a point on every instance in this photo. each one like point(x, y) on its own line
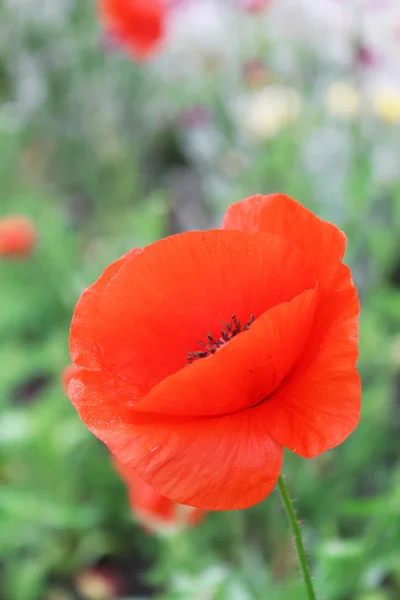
point(301, 553)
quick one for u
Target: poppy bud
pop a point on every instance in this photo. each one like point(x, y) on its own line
point(17, 236)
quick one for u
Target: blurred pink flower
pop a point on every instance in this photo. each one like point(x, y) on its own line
point(254, 5)
point(196, 115)
point(366, 57)
point(255, 73)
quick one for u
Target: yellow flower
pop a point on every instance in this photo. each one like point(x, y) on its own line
point(386, 104)
point(342, 99)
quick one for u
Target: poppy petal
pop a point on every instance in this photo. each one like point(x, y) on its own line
point(166, 299)
point(83, 345)
point(179, 457)
point(217, 463)
point(319, 405)
point(321, 243)
point(104, 404)
point(244, 371)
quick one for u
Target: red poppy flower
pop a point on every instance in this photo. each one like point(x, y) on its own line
point(67, 374)
point(17, 236)
point(156, 513)
point(205, 353)
point(139, 25)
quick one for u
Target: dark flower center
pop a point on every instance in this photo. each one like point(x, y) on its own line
point(229, 330)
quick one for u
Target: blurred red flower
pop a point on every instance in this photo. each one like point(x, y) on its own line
point(67, 374)
point(138, 25)
point(17, 236)
point(156, 513)
point(207, 352)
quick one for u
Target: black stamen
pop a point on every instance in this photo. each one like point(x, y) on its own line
point(225, 335)
point(236, 322)
point(229, 330)
point(248, 324)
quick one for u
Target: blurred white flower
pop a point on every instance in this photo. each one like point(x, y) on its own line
point(385, 163)
point(10, 119)
point(15, 426)
point(97, 584)
point(52, 12)
point(326, 155)
point(199, 40)
point(204, 586)
point(30, 86)
point(342, 549)
point(342, 99)
point(325, 26)
point(261, 115)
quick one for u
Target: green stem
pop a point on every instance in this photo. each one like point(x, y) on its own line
point(291, 514)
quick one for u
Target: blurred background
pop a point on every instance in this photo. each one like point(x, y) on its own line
point(101, 154)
